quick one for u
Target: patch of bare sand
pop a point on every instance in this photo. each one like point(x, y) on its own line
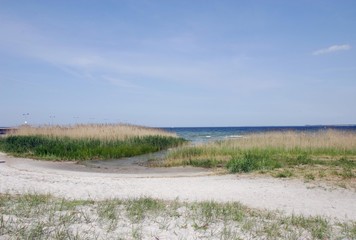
point(73, 181)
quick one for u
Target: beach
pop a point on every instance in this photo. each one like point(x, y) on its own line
point(72, 181)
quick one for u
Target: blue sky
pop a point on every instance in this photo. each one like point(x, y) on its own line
point(178, 63)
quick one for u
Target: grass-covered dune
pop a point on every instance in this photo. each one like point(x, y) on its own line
point(84, 142)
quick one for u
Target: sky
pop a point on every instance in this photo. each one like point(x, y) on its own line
point(179, 63)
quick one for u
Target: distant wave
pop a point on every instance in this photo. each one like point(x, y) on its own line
point(207, 134)
point(235, 136)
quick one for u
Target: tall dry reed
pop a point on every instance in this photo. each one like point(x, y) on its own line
point(292, 144)
point(290, 140)
point(91, 131)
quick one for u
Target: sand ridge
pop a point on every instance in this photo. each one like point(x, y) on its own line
point(69, 180)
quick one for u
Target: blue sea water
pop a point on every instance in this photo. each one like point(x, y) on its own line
point(206, 134)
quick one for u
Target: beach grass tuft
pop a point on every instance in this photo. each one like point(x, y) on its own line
point(55, 218)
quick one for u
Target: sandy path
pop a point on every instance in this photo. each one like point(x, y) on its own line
point(291, 196)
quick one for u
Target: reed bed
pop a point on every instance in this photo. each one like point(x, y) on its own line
point(330, 139)
point(328, 143)
point(331, 152)
point(85, 142)
point(91, 131)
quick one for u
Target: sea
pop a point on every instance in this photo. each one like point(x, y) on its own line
point(207, 134)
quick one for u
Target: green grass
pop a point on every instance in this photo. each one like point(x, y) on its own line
point(107, 210)
point(255, 159)
point(284, 174)
point(252, 160)
point(137, 209)
point(267, 159)
point(33, 216)
point(318, 226)
point(65, 148)
point(263, 159)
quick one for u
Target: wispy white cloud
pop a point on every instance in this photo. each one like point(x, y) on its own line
point(123, 83)
point(331, 49)
point(24, 39)
point(129, 69)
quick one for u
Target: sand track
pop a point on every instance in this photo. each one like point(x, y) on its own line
point(73, 181)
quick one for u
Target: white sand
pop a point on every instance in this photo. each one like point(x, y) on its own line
point(291, 196)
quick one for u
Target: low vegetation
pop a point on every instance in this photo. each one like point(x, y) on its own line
point(84, 142)
point(33, 216)
point(326, 154)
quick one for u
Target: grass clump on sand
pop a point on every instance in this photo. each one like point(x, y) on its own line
point(33, 216)
point(84, 142)
point(332, 153)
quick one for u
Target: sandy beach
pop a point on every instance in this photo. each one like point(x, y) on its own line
point(72, 181)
